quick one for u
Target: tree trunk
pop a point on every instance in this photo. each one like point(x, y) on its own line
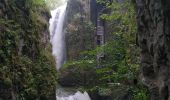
point(153, 19)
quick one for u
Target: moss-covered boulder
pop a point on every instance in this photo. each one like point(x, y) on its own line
point(77, 75)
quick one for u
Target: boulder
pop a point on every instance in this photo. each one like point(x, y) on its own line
point(76, 76)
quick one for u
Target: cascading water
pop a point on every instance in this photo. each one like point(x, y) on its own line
point(57, 34)
point(59, 51)
point(77, 96)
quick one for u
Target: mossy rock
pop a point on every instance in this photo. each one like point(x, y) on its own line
point(77, 75)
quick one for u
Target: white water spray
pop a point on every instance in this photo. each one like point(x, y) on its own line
point(57, 34)
point(77, 96)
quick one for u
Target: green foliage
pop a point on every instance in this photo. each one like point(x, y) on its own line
point(141, 94)
point(38, 2)
point(83, 63)
point(121, 52)
point(53, 4)
point(34, 3)
point(121, 62)
point(25, 68)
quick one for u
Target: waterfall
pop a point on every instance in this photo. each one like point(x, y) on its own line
point(59, 51)
point(57, 35)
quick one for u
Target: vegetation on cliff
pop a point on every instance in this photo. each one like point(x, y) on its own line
point(26, 70)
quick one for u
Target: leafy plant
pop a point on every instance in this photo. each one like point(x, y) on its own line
point(141, 94)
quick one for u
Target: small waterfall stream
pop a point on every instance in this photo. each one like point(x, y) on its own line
point(59, 51)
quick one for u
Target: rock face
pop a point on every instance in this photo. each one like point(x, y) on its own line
point(26, 70)
point(154, 40)
point(79, 28)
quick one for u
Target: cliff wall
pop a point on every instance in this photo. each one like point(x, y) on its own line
point(78, 28)
point(27, 68)
point(153, 39)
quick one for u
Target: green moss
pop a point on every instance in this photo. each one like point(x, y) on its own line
point(26, 68)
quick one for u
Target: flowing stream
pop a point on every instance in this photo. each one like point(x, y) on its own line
point(59, 51)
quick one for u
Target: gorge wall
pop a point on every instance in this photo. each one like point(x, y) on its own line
point(27, 68)
point(79, 28)
point(153, 38)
